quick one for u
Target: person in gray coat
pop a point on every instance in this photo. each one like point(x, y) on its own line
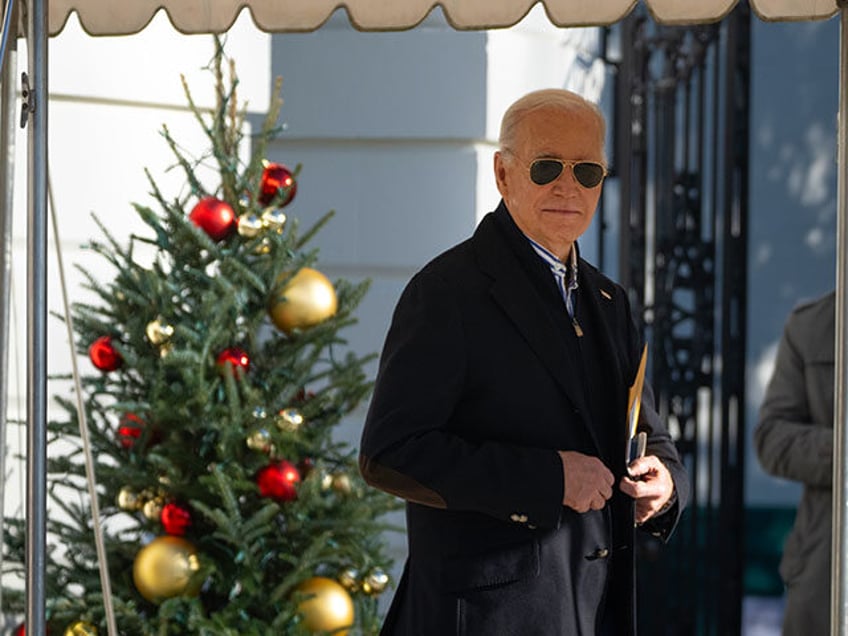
point(794, 440)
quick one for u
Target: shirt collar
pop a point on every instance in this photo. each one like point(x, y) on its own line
point(556, 265)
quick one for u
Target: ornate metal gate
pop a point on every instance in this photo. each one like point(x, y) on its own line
point(680, 133)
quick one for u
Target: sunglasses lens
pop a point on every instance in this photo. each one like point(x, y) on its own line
point(544, 171)
point(588, 174)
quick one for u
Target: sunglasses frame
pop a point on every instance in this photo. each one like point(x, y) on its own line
point(573, 165)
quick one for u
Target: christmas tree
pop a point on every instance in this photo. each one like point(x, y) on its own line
point(227, 505)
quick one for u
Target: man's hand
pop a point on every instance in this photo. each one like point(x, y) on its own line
point(651, 486)
point(587, 483)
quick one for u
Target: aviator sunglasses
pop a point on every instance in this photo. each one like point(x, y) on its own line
point(588, 173)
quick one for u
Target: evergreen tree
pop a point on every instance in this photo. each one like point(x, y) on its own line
point(228, 505)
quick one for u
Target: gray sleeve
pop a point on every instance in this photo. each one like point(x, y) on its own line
point(787, 441)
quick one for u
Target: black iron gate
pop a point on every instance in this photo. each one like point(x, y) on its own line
point(680, 141)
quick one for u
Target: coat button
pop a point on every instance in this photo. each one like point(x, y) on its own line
point(599, 553)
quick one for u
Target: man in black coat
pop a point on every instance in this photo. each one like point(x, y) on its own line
point(500, 409)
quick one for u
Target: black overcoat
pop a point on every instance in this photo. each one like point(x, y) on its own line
point(480, 383)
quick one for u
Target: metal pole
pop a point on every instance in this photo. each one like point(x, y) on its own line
point(8, 95)
point(839, 572)
point(36, 509)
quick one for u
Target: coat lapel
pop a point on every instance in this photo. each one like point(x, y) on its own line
point(500, 256)
point(599, 310)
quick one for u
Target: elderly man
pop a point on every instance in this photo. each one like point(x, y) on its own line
point(500, 409)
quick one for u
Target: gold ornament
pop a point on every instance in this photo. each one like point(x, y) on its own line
point(152, 509)
point(157, 333)
point(128, 500)
point(81, 628)
point(249, 225)
point(289, 420)
point(307, 299)
point(326, 480)
point(164, 568)
point(264, 247)
point(349, 578)
point(327, 607)
point(260, 440)
point(166, 349)
point(375, 582)
point(274, 219)
point(341, 483)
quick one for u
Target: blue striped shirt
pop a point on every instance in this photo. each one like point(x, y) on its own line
point(564, 275)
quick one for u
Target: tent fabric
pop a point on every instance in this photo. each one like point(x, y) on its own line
point(113, 17)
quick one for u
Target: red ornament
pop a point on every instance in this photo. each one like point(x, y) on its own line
point(238, 358)
point(215, 217)
point(20, 630)
point(130, 430)
point(277, 179)
point(175, 518)
point(278, 481)
point(104, 355)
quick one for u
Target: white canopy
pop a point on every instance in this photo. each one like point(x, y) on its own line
point(116, 17)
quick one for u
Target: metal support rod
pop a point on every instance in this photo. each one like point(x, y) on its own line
point(8, 93)
point(36, 506)
point(839, 572)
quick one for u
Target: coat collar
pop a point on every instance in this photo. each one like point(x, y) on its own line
point(523, 287)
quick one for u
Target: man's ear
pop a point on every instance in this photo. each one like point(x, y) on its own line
point(500, 174)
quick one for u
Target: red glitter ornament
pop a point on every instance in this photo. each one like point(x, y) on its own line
point(278, 481)
point(130, 430)
point(238, 358)
point(175, 518)
point(215, 217)
point(103, 354)
point(277, 179)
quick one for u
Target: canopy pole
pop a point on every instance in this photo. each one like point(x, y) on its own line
point(36, 506)
point(8, 95)
point(839, 569)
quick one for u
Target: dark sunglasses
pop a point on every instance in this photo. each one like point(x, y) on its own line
point(588, 173)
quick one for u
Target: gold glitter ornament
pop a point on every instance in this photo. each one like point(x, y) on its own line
point(259, 440)
point(81, 628)
point(250, 225)
point(128, 500)
point(375, 582)
point(341, 483)
point(152, 509)
point(274, 220)
point(349, 578)
point(264, 247)
point(158, 333)
point(289, 420)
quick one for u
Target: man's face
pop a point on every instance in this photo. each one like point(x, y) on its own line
point(556, 214)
